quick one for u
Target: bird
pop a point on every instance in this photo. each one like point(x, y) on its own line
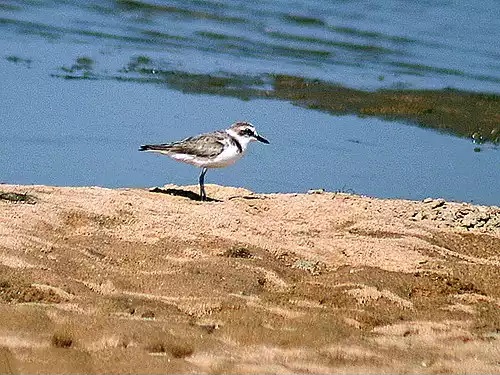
point(217, 149)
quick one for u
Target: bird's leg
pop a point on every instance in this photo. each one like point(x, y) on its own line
point(203, 195)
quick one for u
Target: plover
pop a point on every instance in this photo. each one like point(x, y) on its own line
point(218, 149)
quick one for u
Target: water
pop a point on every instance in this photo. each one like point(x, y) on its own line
point(357, 43)
point(86, 131)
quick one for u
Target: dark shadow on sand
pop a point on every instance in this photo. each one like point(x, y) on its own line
point(182, 193)
point(246, 197)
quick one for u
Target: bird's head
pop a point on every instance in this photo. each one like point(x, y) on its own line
point(245, 132)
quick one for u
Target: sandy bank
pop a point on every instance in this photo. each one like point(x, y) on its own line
point(127, 280)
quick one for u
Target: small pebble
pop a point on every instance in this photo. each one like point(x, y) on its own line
point(316, 191)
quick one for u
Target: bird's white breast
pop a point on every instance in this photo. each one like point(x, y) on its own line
point(228, 156)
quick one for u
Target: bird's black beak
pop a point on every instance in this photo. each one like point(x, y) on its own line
point(261, 139)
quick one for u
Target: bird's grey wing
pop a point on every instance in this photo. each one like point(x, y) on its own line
point(203, 145)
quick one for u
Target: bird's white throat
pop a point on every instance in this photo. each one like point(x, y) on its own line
point(243, 141)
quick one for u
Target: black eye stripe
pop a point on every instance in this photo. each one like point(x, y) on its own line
point(247, 132)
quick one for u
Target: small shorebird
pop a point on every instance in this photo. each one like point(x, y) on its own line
point(218, 149)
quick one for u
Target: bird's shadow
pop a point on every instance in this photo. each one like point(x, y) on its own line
point(182, 193)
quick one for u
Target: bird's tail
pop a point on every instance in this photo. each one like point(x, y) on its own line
point(154, 148)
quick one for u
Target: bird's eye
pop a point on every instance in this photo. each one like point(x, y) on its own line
point(248, 132)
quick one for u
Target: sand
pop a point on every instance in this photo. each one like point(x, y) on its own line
point(97, 280)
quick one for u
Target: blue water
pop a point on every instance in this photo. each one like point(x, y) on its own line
point(365, 44)
point(86, 132)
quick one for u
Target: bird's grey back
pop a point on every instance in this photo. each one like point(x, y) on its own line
point(206, 145)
